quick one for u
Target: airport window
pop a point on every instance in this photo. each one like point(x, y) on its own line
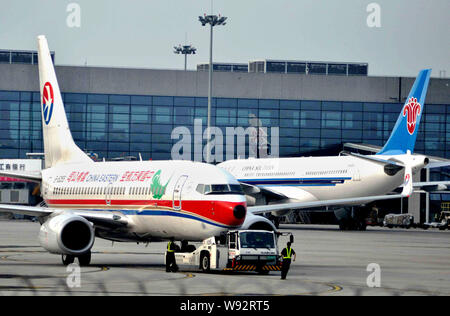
point(289, 132)
point(354, 69)
point(96, 108)
point(316, 68)
point(331, 132)
point(120, 109)
point(118, 126)
point(352, 125)
point(75, 98)
point(162, 100)
point(226, 103)
point(310, 105)
point(337, 69)
point(299, 68)
point(140, 128)
point(119, 99)
point(143, 100)
point(289, 105)
point(272, 66)
point(97, 98)
point(269, 104)
point(240, 68)
point(226, 121)
point(162, 119)
point(21, 58)
point(220, 67)
point(5, 57)
point(331, 106)
point(373, 117)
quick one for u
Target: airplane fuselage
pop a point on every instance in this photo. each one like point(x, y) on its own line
point(307, 179)
point(159, 198)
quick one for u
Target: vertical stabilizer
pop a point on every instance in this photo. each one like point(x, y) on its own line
point(59, 146)
point(404, 134)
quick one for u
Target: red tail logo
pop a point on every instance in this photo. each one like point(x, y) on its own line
point(412, 108)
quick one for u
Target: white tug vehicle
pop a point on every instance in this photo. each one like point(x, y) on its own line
point(239, 250)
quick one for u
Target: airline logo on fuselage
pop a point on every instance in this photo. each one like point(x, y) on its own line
point(47, 102)
point(412, 109)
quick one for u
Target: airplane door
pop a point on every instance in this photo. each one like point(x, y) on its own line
point(177, 192)
point(356, 176)
point(108, 191)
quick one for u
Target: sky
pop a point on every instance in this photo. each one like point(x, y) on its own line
point(396, 37)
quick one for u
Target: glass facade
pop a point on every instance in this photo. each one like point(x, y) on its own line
point(21, 57)
point(126, 125)
point(314, 68)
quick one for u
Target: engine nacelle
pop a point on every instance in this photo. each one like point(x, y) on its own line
point(257, 222)
point(67, 234)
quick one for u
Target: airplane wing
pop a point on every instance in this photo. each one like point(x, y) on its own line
point(407, 191)
point(253, 189)
point(432, 186)
point(34, 176)
point(261, 209)
point(99, 219)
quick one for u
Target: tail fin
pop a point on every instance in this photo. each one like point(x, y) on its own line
point(59, 146)
point(404, 134)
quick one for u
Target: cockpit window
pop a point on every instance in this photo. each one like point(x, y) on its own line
point(219, 189)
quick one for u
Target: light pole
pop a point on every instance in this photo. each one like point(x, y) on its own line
point(212, 20)
point(185, 50)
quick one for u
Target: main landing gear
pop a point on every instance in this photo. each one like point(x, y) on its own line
point(351, 218)
point(84, 260)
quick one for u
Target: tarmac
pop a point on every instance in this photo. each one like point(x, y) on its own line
point(329, 262)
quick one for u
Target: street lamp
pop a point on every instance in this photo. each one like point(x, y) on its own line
point(212, 20)
point(185, 50)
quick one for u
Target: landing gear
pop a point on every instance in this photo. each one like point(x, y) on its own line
point(352, 224)
point(351, 219)
point(85, 259)
point(67, 259)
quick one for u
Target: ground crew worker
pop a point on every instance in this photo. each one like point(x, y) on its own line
point(171, 264)
point(287, 254)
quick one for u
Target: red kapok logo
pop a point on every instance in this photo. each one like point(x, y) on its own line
point(412, 108)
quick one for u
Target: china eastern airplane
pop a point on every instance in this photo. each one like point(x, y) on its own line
point(280, 185)
point(121, 201)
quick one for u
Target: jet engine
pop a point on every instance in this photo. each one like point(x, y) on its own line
point(67, 234)
point(257, 222)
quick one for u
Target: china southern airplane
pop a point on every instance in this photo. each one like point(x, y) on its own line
point(120, 201)
point(280, 185)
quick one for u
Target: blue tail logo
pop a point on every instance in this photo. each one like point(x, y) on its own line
point(404, 134)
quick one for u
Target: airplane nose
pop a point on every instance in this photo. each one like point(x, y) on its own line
point(239, 211)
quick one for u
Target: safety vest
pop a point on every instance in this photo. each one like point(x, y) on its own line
point(288, 253)
point(169, 247)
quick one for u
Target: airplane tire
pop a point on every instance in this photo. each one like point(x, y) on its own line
point(67, 259)
point(85, 259)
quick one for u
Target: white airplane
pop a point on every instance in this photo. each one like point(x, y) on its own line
point(280, 185)
point(120, 201)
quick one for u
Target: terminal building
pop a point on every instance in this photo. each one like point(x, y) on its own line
point(120, 112)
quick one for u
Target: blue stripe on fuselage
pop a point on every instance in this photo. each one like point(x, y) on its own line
point(296, 181)
point(163, 213)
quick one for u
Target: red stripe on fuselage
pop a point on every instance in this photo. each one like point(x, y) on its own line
point(218, 211)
